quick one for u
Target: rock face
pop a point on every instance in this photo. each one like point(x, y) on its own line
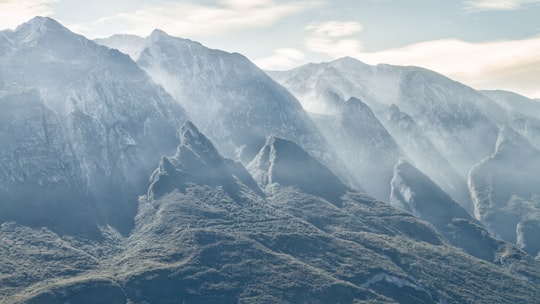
point(232, 100)
point(283, 162)
point(206, 233)
point(505, 185)
point(93, 116)
point(39, 174)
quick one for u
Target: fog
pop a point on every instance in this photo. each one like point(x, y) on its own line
point(451, 132)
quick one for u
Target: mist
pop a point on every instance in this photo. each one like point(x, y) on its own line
point(190, 175)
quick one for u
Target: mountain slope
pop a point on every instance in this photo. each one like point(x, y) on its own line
point(232, 100)
point(371, 152)
point(206, 234)
point(505, 185)
point(416, 193)
point(514, 102)
point(39, 175)
point(459, 121)
point(371, 224)
point(110, 120)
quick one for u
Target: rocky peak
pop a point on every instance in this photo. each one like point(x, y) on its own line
point(197, 161)
point(283, 162)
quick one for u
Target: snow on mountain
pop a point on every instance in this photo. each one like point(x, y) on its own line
point(235, 103)
point(504, 188)
point(458, 120)
point(113, 122)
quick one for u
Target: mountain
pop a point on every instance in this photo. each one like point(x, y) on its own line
point(421, 151)
point(459, 122)
point(233, 101)
point(39, 175)
point(416, 193)
point(108, 194)
point(205, 233)
point(504, 188)
point(84, 127)
point(360, 139)
point(527, 126)
point(523, 114)
point(283, 162)
point(131, 45)
point(514, 102)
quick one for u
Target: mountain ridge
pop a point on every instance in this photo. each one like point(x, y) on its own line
point(112, 192)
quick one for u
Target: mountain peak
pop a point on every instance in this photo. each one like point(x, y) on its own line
point(283, 162)
point(191, 138)
point(348, 60)
point(197, 161)
point(160, 35)
point(157, 34)
point(40, 25)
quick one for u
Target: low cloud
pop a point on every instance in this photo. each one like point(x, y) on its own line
point(15, 12)
point(333, 38)
point(496, 5)
point(511, 65)
point(191, 19)
point(280, 59)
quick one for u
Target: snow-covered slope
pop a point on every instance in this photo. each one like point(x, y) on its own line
point(232, 100)
point(505, 188)
point(110, 123)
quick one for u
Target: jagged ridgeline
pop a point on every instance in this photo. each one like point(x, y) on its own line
point(173, 173)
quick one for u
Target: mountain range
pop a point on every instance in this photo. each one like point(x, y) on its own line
point(156, 170)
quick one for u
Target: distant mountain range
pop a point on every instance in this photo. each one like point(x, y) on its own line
point(156, 170)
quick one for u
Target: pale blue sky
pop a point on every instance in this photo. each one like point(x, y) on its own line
point(484, 43)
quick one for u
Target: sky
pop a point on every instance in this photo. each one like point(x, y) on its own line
point(487, 44)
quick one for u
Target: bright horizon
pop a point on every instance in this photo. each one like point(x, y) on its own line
point(486, 44)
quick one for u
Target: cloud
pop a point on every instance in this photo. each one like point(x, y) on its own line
point(281, 59)
point(511, 65)
point(15, 12)
point(191, 19)
point(499, 5)
point(333, 38)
